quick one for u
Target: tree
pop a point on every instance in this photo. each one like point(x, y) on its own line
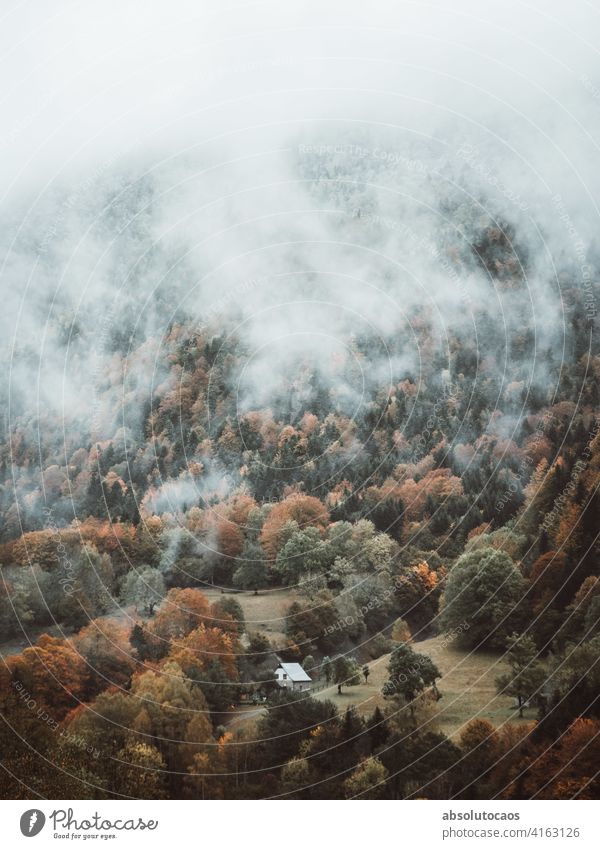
point(296, 775)
point(378, 729)
point(144, 588)
point(417, 592)
point(480, 735)
point(410, 674)
point(484, 590)
point(94, 502)
point(173, 711)
point(309, 665)
point(207, 772)
point(480, 743)
point(293, 718)
point(567, 769)
point(367, 781)
point(527, 674)
point(583, 614)
point(420, 764)
point(167, 712)
point(104, 645)
point(182, 611)
point(147, 645)
point(345, 672)
point(16, 608)
point(340, 542)
point(52, 672)
point(575, 686)
point(83, 586)
point(257, 665)
point(327, 668)
point(107, 726)
point(313, 623)
point(229, 615)
point(194, 652)
point(303, 553)
point(401, 632)
point(218, 690)
point(252, 573)
point(366, 672)
point(230, 539)
point(141, 773)
point(306, 510)
point(549, 580)
point(378, 553)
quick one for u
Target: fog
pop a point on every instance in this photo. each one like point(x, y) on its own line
point(296, 178)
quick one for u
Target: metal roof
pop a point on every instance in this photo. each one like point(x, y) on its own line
point(295, 672)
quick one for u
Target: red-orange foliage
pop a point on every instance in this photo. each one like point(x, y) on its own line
point(238, 509)
point(42, 547)
point(569, 768)
point(537, 447)
point(438, 483)
point(568, 534)
point(306, 510)
point(230, 538)
point(222, 619)
point(426, 576)
point(341, 491)
point(481, 743)
point(548, 575)
point(104, 645)
point(203, 645)
point(38, 547)
point(588, 589)
point(182, 611)
point(416, 582)
point(107, 536)
point(309, 423)
point(225, 521)
point(52, 673)
point(480, 529)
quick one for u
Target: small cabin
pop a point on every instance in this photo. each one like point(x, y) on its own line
point(291, 676)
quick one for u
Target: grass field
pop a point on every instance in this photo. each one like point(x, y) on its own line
point(263, 612)
point(467, 687)
point(468, 678)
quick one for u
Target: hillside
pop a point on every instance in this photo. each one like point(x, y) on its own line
point(300, 364)
point(467, 686)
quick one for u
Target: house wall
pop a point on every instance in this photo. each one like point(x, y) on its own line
point(283, 682)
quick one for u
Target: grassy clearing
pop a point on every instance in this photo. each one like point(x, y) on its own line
point(467, 686)
point(468, 678)
point(263, 612)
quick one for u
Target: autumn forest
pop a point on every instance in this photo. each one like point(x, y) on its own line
point(320, 401)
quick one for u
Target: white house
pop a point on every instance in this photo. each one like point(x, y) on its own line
point(292, 677)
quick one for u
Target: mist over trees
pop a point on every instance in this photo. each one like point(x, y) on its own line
point(348, 363)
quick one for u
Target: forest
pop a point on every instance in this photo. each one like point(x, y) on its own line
point(302, 372)
point(449, 502)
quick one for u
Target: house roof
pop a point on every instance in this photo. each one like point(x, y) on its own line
point(295, 672)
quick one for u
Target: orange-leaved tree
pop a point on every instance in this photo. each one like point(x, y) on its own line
point(306, 510)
